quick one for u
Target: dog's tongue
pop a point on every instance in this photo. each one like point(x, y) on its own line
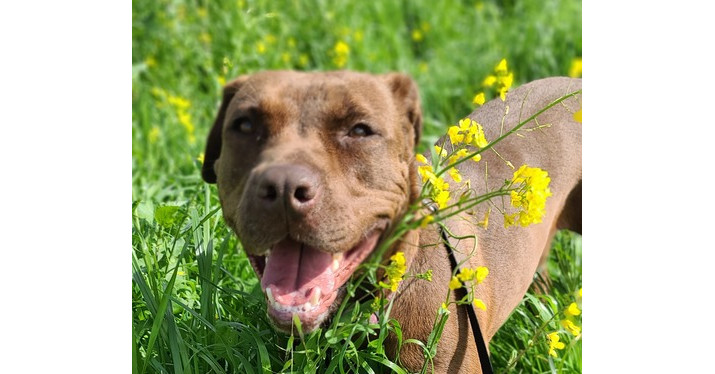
point(293, 271)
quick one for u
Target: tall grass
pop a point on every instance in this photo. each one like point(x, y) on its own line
point(196, 302)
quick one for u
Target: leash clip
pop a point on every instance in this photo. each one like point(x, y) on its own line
point(430, 205)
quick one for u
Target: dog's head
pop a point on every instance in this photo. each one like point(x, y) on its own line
point(312, 168)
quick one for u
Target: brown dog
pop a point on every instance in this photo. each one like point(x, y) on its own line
point(312, 169)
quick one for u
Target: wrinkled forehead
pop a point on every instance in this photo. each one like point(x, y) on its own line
point(335, 95)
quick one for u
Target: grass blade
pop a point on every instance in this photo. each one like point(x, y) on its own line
point(159, 316)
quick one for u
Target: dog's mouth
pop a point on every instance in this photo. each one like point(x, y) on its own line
point(298, 279)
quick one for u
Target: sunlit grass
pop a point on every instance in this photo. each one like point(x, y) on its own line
point(197, 306)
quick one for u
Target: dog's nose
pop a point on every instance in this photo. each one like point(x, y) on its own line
point(294, 187)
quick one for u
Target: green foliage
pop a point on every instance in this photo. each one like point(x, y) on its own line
point(197, 305)
point(521, 344)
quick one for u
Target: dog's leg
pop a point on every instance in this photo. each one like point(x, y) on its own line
point(569, 219)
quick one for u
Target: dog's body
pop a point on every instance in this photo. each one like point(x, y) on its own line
point(313, 168)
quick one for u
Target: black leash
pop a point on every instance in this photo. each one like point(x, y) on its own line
point(484, 360)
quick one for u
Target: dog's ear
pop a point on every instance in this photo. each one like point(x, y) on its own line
point(407, 95)
point(213, 143)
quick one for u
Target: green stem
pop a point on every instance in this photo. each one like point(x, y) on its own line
point(515, 129)
point(473, 202)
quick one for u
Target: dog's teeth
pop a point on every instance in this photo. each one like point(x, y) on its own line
point(315, 298)
point(269, 294)
point(337, 257)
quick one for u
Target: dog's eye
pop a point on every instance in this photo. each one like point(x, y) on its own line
point(243, 125)
point(360, 130)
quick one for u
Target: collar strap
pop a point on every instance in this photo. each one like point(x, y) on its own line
point(484, 360)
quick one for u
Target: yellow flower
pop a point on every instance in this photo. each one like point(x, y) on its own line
point(577, 116)
point(422, 67)
point(439, 183)
point(426, 221)
point(341, 51)
point(179, 102)
point(501, 67)
point(575, 69)
point(454, 283)
point(221, 80)
point(460, 154)
point(476, 158)
point(572, 310)
point(399, 259)
point(150, 62)
point(158, 92)
point(485, 222)
point(200, 158)
point(580, 292)
point(489, 80)
point(466, 274)
point(571, 327)
point(154, 135)
point(260, 48)
point(515, 198)
point(303, 60)
point(440, 151)
point(454, 135)
point(444, 306)
point(480, 304)
point(530, 197)
point(441, 199)
point(481, 274)
point(504, 84)
point(185, 120)
point(469, 132)
point(478, 99)
point(285, 56)
point(426, 172)
point(554, 343)
point(395, 271)
point(481, 140)
point(454, 173)
point(417, 35)
point(358, 36)
point(205, 38)
point(181, 106)
point(440, 191)
point(502, 78)
point(509, 220)
point(227, 64)
point(465, 124)
point(421, 158)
